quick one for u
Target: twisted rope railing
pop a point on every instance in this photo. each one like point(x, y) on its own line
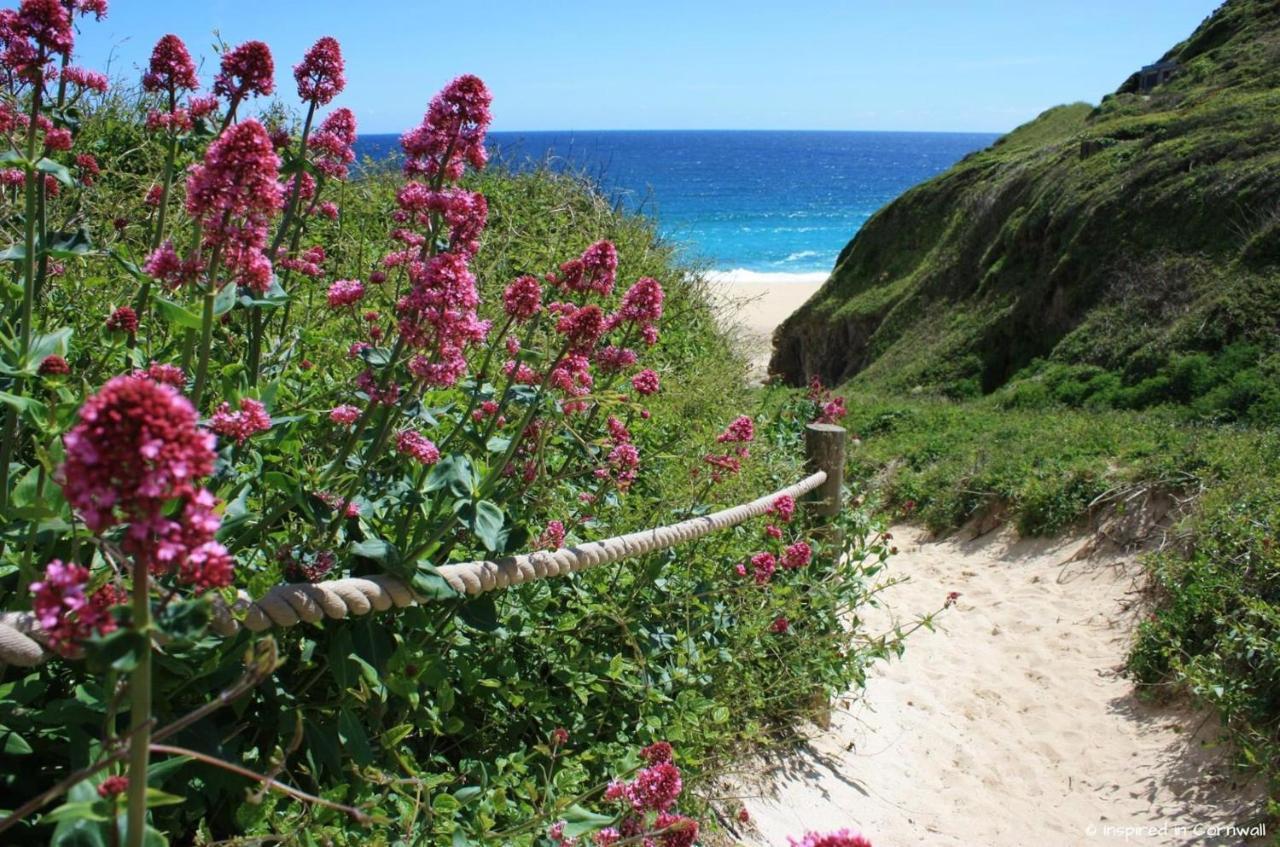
point(288, 605)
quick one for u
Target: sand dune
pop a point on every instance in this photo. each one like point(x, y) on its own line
point(1011, 724)
point(757, 303)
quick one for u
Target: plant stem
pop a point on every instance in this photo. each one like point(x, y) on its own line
point(140, 713)
point(206, 342)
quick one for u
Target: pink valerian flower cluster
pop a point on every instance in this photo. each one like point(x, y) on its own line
point(242, 425)
point(596, 270)
point(319, 74)
point(171, 69)
point(780, 626)
point(345, 292)
point(85, 79)
point(164, 374)
point(797, 555)
point(308, 261)
point(649, 798)
point(464, 213)
point(552, 538)
point(452, 132)
point(137, 449)
point(113, 786)
point(522, 300)
point(740, 432)
point(645, 383)
point(438, 317)
point(333, 143)
point(344, 415)
point(784, 507)
point(839, 838)
point(829, 407)
point(65, 614)
point(301, 565)
point(124, 319)
point(53, 366)
point(246, 70)
point(233, 195)
point(418, 447)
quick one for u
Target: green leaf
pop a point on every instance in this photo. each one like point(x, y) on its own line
point(33, 409)
point(84, 810)
point(427, 582)
point(55, 343)
point(579, 821)
point(156, 797)
point(382, 552)
point(224, 301)
point(485, 520)
point(353, 738)
point(70, 245)
point(480, 613)
point(56, 170)
point(13, 159)
point(13, 744)
point(179, 315)
point(185, 620)
point(453, 472)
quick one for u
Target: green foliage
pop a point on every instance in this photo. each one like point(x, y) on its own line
point(1123, 238)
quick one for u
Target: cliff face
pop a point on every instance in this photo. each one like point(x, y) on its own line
point(1120, 237)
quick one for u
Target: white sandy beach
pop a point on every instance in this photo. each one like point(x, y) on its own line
point(758, 302)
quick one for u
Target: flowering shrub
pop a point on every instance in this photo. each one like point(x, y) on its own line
point(228, 363)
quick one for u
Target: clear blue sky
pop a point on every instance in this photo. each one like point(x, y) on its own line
point(682, 64)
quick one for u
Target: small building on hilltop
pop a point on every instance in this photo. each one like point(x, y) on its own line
point(1152, 75)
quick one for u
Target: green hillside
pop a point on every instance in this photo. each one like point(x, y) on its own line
point(1120, 256)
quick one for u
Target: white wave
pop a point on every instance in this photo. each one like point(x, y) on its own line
point(764, 277)
point(795, 257)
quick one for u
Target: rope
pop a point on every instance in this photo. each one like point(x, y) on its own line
point(288, 605)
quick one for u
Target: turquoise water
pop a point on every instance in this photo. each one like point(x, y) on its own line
point(775, 202)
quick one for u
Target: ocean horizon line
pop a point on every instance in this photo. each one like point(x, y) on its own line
point(996, 133)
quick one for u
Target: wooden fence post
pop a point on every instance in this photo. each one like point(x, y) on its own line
point(824, 451)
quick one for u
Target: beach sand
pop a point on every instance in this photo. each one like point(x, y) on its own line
point(1013, 722)
point(757, 303)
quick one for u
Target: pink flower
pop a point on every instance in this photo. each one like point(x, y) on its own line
point(207, 566)
point(839, 838)
point(65, 614)
point(784, 506)
point(582, 328)
point(58, 139)
point(556, 831)
point(452, 131)
point(607, 837)
point(645, 383)
point(655, 788)
point(743, 815)
point(333, 142)
point(164, 374)
point(113, 786)
point(560, 736)
point(773, 532)
point(345, 292)
point(123, 319)
point(47, 23)
point(233, 194)
point(171, 68)
point(136, 447)
point(344, 415)
point(53, 366)
point(658, 752)
point(417, 446)
point(642, 303)
point(595, 270)
point(244, 424)
point(741, 431)
point(763, 565)
point(552, 538)
point(797, 556)
point(677, 830)
point(248, 69)
point(86, 79)
point(319, 74)
point(439, 315)
point(522, 299)
point(832, 411)
point(780, 626)
point(613, 359)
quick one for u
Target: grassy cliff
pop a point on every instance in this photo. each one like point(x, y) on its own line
point(1114, 256)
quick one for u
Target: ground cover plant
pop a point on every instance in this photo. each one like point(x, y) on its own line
point(228, 362)
point(1050, 469)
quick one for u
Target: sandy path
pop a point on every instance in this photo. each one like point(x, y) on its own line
point(758, 305)
point(1011, 724)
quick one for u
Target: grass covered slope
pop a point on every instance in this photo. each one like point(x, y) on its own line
point(1100, 250)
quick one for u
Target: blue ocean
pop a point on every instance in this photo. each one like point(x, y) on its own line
point(763, 202)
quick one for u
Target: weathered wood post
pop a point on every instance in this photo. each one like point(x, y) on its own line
point(824, 446)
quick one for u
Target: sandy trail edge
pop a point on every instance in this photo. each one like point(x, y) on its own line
point(1011, 724)
point(756, 308)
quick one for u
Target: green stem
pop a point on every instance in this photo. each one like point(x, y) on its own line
point(206, 342)
point(140, 715)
